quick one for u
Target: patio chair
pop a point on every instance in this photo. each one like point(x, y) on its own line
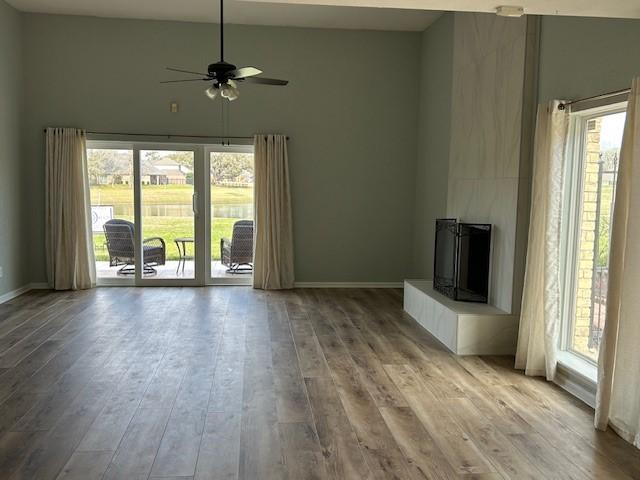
point(237, 253)
point(119, 235)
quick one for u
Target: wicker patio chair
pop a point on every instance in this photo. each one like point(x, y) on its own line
point(119, 235)
point(237, 253)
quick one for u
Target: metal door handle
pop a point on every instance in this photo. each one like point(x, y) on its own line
point(194, 203)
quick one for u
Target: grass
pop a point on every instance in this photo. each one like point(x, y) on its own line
point(167, 195)
point(606, 198)
point(169, 227)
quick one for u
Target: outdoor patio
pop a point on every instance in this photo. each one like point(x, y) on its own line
point(171, 270)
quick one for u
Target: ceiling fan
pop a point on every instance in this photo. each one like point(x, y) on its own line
point(224, 77)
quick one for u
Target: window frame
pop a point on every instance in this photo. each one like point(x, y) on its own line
point(202, 188)
point(573, 184)
point(208, 193)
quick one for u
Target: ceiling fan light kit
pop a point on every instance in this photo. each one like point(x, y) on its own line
point(230, 90)
point(224, 76)
point(212, 92)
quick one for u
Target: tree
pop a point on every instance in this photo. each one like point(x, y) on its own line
point(231, 167)
point(182, 158)
point(107, 163)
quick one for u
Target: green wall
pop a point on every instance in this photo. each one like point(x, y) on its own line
point(352, 123)
point(434, 125)
point(369, 150)
point(580, 57)
point(13, 258)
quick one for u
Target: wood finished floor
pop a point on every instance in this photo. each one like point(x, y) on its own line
point(226, 383)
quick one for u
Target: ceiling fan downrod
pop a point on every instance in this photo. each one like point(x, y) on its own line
point(222, 30)
point(224, 77)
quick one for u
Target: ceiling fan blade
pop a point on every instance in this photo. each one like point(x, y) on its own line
point(245, 72)
point(187, 80)
point(186, 71)
point(264, 80)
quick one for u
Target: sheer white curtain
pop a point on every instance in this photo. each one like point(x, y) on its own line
point(540, 313)
point(69, 245)
point(273, 254)
point(618, 398)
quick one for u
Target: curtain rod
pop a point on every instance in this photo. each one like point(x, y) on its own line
point(223, 137)
point(562, 106)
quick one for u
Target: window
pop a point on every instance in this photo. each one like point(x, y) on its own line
point(167, 213)
point(171, 213)
point(596, 138)
point(111, 185)
point(231, 184)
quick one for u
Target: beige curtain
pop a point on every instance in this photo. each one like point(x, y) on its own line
point(273, 255)
point(618, 398)
point(69, 248)
point(540, 313)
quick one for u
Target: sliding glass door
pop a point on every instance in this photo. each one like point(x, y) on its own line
point(111, 180)
point(168, 214)
point(171, 214)
point(169, 182)
point(231, 181)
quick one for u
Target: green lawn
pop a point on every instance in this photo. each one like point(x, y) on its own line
point(168, 227)
point(167, 195)
point(605, 219)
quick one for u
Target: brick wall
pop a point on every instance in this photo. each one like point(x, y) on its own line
point(587, 239)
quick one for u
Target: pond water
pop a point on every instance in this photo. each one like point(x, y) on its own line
point(219, 211)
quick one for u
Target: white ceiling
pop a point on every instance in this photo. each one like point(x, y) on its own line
point(241, 12)
point(584, 8)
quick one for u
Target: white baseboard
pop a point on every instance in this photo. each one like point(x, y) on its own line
point(348, 284)
point(5, 297)
point(45, 286)
point(576, 385)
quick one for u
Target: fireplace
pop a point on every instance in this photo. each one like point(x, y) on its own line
point(462, 260)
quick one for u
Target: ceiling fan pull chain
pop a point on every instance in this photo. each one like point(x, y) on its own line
point(222, 129)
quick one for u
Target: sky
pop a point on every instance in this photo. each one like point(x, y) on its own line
point(612, 129)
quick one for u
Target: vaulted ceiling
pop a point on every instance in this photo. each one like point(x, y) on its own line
point(582, 8)
point(240, 12)
point(410, 15)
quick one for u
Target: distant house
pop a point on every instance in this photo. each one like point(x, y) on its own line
point(164, 171)
point(153, 171)
point(244, 179)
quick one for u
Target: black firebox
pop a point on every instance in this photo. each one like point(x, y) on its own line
point(462, 260)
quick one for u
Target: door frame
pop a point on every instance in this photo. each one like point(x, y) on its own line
point(208, 150)
point(202, 215)
point(101, 144)
point(199, 219)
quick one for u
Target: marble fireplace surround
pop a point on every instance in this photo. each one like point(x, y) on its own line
point(493, 99)
point(493, 102)
point(464, 328)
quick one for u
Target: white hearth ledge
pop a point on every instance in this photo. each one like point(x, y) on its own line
point(464, 328)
